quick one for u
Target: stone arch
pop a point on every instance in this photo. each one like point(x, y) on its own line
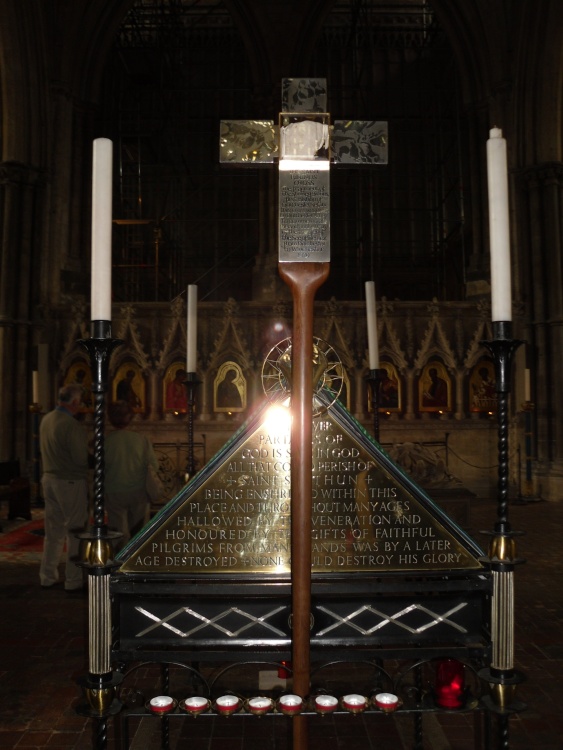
point(537, 104)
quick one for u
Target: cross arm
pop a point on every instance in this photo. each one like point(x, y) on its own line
point(248, 142)
point(355, 143)
point(256, 142)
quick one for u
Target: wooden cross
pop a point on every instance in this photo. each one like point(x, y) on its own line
point(304, 144)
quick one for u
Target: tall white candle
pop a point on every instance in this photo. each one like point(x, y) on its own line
point(191, 358)
point(373, 347)
point(499, 231)
point(35, 386)
point(101, 229)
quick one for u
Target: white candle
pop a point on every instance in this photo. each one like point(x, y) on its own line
point(499, 232)
point(373, 347)
point(35, 386)
point(191, 358)
point(101, 229)
point(527, 389)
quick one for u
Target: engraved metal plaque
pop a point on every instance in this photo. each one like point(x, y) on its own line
point(235, 515)
point(357, 142)
point(304, 215)
point(247, 142)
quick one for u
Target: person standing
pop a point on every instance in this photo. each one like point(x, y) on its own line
point(65, 460)
point(128, 456)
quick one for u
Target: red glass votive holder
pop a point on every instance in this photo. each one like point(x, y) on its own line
point(260, 705)
point(450, 684)
point(195, 705)
point(326, 704)
point(386, 702)
point(354, 703)
point(284, 670)
point(161, 704)
point(227, 704)
point(290, 704)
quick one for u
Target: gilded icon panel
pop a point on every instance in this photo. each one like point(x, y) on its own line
point(79, 374)
point(229, 389)
point(482, 388)
point(175, 394)
point(129, 385)
point(390, 391)
point(434, 388)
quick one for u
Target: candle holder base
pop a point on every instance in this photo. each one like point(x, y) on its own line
point(503, 689)
point(100, 694)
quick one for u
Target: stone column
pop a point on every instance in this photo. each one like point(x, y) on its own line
point(552, 177)
point(409, 395)
point(155, 379)
point(459, 386)
point(18, 218)
point(544, 199)
point(538, 317)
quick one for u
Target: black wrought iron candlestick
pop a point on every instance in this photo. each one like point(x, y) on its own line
point(502, 559)
point(191, 384)
point(374, 382)
point(100, 684)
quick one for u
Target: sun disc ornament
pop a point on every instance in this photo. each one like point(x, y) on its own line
point(328, 374)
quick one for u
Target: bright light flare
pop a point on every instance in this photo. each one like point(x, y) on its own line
point(278, 418)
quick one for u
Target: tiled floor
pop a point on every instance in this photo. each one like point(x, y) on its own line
point(44, 653)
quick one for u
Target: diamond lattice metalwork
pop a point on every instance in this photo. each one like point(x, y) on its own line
point(395, 619)
point(213, 622)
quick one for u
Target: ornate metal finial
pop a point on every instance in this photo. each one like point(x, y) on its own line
point(327, 373)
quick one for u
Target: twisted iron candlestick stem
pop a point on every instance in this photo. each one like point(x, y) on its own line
point(503, 523)
point(191, 384)
point(502, 348)
point(100, 347)
point(99, 459)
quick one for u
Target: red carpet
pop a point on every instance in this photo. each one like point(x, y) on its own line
point(23, 544)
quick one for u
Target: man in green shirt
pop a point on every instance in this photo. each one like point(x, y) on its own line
point(64, 455)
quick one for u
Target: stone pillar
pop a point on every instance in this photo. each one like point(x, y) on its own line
point(155, 379)
point(409, 395)
point(538, 318)
point(544, 199)
point(552, 177)
point(459, 387)
point(18, 219)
